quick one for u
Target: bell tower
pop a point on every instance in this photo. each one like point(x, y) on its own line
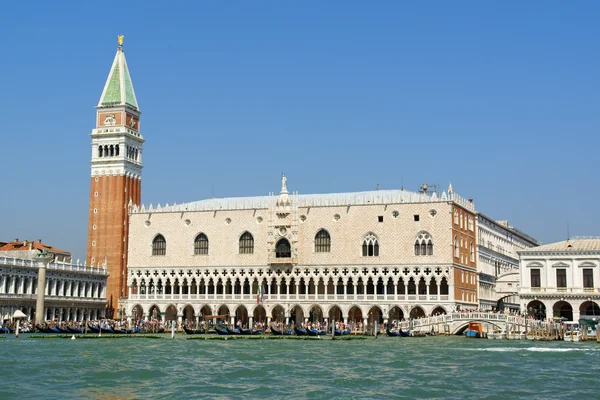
point(116, 178)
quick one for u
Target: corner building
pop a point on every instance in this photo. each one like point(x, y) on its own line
point(115, 177)
point(356, 257)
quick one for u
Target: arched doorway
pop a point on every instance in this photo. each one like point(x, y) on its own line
point(396, 313)
point(536, 310)
point(355, 315)
point(260, 315)
point(155, 313)
point(417, 312)
point(335, 314)
point(297, 315)
point(223, 310)
point(205, 310)
point(171, 313)
point(241, 315)
point(315, 314)
point(590, 310)
point(188, 314)
point(564, 310)
point(438, 311)
point(277, 314)
point(137, 313)
point(375, 315)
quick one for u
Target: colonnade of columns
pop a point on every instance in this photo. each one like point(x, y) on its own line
point(61, 287)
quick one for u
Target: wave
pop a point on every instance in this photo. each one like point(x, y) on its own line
point(531, 349)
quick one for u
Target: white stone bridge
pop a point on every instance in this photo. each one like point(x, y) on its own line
point(457, 322)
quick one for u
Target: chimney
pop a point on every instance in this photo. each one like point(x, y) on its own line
point(16, 239)
point(39, 240)
point(24, 242)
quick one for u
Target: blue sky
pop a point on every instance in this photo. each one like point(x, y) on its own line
point(500, 98)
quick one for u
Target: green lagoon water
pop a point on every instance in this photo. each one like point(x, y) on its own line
point(411, 368)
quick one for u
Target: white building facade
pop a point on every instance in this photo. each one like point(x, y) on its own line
point(562, 280)
point(498, 244)
point(73, 291)
point(360, 257)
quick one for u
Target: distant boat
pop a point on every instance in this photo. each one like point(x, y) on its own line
point(475, 330)
point(190, 331)
point(221, 331)
point(278, 332)
point(75, 330)
point(234, 331)
point(312, 332)
point(54, 330)
point(300, 332)
point(4, 330)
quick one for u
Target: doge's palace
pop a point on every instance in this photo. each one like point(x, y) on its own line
point(364, 256)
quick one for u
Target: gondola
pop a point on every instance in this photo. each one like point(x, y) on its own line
point(393, 333)
point(234, 331)
point(300, 332)
point(312, 332)
point(41, 329)
point(246, 331)
point(4, 330)
point(257, 332)
point(190, 331)
point(339, 332)
point(124, 331)
point(221, 331)
point(277, 332)
point(93, 329)
point(54, 330)
point(75, 330)
point(64, 330)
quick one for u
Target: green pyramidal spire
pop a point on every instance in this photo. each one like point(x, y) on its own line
point(118, 90)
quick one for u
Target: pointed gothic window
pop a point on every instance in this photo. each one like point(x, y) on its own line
point(283, 249)
point(159, 246)
point(370, 246)
point(116, 150)
point(322, 242)
point(99, 151)
point(201, 244)
point(246, 243)
point(417, 248)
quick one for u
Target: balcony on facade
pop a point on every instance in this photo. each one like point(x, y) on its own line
point(292, 297)
point(558, 291)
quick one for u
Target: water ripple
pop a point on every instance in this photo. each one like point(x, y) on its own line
point(429, 368)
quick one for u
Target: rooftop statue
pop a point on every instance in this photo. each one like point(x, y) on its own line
point(120, 39)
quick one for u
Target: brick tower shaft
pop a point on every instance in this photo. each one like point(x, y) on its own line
point(115, 179)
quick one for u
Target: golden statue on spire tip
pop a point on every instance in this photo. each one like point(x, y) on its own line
point(120, 39)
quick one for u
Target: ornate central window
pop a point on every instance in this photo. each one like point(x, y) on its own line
point(424, 245)
point(370, 247)
point(283, 249)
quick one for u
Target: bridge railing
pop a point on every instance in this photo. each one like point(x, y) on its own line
point(462, 316)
